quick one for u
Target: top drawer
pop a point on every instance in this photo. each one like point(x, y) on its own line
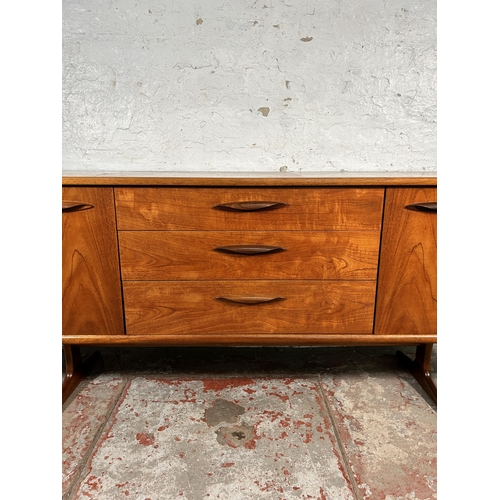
point(225, 209)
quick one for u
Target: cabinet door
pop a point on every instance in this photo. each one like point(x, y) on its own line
point(91, 287)
point(407, 295)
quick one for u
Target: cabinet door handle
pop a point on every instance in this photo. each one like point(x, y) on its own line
point(248, 249)
point(249, 300)
point(429, 206)
point(249, 206)
point(75, 206)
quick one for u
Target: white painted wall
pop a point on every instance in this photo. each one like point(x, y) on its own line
point(249, 85)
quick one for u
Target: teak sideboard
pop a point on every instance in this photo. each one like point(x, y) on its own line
point(156, 259)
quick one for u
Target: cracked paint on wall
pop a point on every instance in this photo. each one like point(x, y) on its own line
point(157, 85)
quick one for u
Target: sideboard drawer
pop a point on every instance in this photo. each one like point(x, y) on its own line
point(212, 255)
point(219, 307)
point(249, 209)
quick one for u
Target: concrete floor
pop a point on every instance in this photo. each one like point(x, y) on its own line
point(249, 424)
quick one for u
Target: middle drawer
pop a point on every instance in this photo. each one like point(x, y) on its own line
point(212, 255)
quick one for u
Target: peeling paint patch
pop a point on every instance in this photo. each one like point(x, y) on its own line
point(264, 110)
point(218, 385)
point(306, 39)
point(223, 411)
point(199, 21)
point(145, 439)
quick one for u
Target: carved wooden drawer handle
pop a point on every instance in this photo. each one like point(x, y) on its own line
point(74, 206)
point(248, 249)
point(429, 206)
point(249, 300)
point(249, 206)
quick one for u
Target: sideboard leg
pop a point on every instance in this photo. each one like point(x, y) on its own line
point(76, 369)
point(420, 368)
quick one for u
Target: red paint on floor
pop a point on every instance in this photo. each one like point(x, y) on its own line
point(217, 384)
point(145, 439)
point(148, 438)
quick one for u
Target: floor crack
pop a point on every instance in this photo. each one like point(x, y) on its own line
point(79, 476)
point(342, 450)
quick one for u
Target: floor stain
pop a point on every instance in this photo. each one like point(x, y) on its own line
point(223, 411)
point(240, 435)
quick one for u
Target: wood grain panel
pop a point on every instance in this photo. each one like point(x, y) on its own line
point(91, 289)
point(190, 255)
point(184, 307)
point(313, 209)
point(407, 290)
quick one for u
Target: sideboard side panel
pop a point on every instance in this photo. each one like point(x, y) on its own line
point(91, 285)
point(407, 283)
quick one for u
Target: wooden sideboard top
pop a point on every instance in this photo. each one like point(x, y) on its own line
point(84, 178)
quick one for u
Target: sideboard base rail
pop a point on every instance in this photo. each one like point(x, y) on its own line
point(249, 339)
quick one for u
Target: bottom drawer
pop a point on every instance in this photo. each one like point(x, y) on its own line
point(219, 307)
